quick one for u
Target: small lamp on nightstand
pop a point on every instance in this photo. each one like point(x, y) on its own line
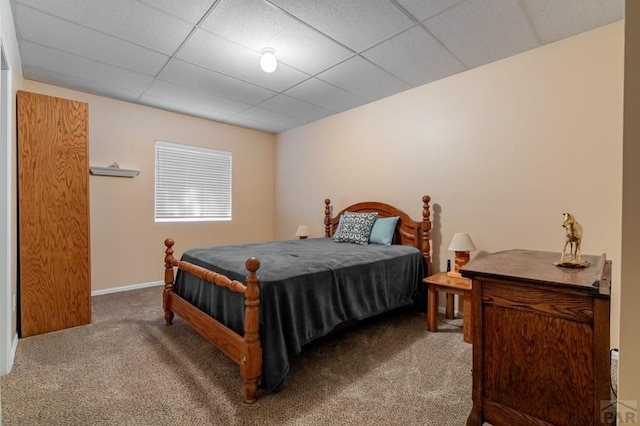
point(302, 232)
point(461, 244)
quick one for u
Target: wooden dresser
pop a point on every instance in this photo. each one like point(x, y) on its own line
point(540, 339)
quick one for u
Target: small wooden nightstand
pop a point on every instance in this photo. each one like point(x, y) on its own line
point(451, 286)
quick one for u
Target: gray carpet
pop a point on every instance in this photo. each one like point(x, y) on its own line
point(127, 368)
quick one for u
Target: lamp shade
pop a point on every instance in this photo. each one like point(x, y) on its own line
point(461, 242)
point(303, 231)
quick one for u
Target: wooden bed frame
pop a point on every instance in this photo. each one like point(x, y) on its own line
point(245, 350)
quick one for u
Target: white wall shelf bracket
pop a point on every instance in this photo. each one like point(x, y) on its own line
point(113, 170)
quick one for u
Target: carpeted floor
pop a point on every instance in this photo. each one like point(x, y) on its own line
point(127, 368)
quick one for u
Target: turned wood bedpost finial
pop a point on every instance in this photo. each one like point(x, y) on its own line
point(426, 229)
point(251, 356)
point(327, 217)
point(168, 280)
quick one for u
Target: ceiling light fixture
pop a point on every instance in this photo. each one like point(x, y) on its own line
point(268, 62)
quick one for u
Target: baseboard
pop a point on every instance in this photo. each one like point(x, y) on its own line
point(14, 348)
point(12, 357)
point(126, 288)
point(443, 310)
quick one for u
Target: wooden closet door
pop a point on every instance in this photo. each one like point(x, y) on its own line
point(53, 214)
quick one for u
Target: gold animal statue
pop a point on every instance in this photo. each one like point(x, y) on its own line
point(574, 238)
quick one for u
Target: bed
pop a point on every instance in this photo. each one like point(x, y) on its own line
point(307, 288)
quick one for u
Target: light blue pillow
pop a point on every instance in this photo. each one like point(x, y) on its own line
point(355, 227)
point(383, 230)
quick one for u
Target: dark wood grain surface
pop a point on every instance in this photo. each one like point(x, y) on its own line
point(541, 339)
point(538, 267)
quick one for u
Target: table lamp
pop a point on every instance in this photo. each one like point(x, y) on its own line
point(461, 244)
point(302, 232)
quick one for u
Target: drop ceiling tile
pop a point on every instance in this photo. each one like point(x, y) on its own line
point(218, 54)
point(323, 94)
point(75, 83)
point(114, 47)
point(271, 118)
point(196, 77)
point(125, 19)
point(364, 79)
point(256, 24)
point(415, 57)
point(483, 31)
point(200, 99)
point(91, 72)
point(554, 20)
point(181, 107)
point(295, 108)
point(358, 24)
point(191, 11)
point(47, 30)
point(250, 124)
point(422, 10)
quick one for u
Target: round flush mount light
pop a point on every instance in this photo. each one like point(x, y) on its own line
point(268, 61)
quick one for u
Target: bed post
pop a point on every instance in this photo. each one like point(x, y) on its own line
point(426, 228)
point(327, 217)
point(168, 280)
point(251, 352)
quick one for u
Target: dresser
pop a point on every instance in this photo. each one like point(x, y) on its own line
point(540, 339)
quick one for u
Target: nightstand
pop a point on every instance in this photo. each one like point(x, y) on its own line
point(451, 286)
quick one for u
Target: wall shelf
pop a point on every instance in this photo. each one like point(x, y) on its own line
point(113, 170)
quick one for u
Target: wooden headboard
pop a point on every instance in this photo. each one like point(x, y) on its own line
point(408, 231)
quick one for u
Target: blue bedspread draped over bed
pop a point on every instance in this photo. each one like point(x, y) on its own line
point(308, 287)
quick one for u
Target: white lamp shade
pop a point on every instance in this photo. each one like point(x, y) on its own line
point(268, 61)
point(461, 242)
point(303, 231)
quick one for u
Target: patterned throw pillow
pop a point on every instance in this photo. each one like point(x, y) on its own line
point(355, 227)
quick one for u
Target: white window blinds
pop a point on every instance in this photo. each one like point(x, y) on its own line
point(192, 183)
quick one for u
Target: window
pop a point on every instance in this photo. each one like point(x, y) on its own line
point(192, 183)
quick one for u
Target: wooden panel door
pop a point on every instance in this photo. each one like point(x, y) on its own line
point(53, 214)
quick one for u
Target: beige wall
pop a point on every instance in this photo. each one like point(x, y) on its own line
point(126, 244)
point(629, 372)
point(503, 150)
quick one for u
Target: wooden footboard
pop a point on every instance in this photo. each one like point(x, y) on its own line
point(243, 350)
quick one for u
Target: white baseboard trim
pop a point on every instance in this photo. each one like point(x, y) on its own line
point(443, 310)
point(126, 288)
point(14, 348)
